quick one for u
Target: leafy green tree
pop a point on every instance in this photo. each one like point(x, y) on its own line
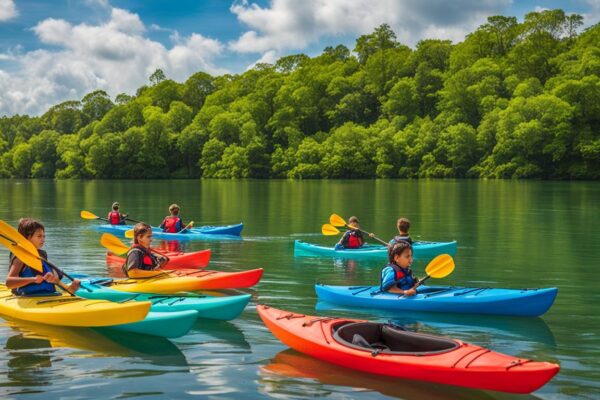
point(383, 37)
point(95, 105)
point(157, 77)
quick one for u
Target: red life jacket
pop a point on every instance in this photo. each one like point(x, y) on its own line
point(147, 259)
point(170, 224)
point(114, 218)
point(353, 240)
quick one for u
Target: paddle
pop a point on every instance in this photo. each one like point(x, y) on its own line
point(129, 232)
point(89, 215)
point(116, 246)
point(336, 220)
point(25, 251)
point(440, 267)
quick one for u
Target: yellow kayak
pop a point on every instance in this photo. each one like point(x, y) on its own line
point(65, 310)
point(161, 284)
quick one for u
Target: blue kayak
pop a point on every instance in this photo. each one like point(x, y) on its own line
point(515, 302)
point(420, 250)
point(200, 233)
point(210, 307)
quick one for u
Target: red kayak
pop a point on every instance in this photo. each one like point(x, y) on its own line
point(177, 260)
point(214, 280)
point(388, 350)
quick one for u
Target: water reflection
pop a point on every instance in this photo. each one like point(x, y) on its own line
point(290, 364)
point(94, 343)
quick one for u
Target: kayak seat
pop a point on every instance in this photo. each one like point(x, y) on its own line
point(362, 342)
point(388, 339)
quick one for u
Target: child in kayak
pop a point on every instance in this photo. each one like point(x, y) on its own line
point(403, 226)
point(172, 223)
point(140, 256)
point(24, 280)
point(397, 277)
point(353, 237)
point(115, 217)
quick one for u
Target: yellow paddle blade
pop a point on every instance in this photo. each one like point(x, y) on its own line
point(329, 230)
point(113, 244)
point(441, 266)
point(129, 234)
point(88, 215)
point(336, 220)
point(141, 274)
point(22, 248)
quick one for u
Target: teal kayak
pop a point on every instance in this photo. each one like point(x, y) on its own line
point(420, 250)
point(163, 324)
point(448, 299)
point(210, 307)
point(220, 232)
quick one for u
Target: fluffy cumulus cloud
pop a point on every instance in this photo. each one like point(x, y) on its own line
point(292, 25)
point(114, 56)
point(7, 10)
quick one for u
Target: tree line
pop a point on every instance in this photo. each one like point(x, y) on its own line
point(513, 100)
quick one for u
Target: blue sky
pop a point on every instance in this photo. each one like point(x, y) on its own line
point(61, 50)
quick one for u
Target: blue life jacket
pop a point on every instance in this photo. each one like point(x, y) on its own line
point(404, 277)
point(35, 288)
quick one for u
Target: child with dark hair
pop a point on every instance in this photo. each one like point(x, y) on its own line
point(140, 256)
point(403, 225)
point(353, 237)
point(24, 280)
point(397, 277)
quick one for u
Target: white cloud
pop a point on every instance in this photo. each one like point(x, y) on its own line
point(593, 15)
point(8, 10)
point(113, 56)
point(292, 25)
point(270, 57)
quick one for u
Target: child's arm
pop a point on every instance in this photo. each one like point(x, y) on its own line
point(14, 281)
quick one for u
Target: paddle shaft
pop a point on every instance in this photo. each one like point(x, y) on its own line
point(369, 234)
point(126, 219)
point(186, 227)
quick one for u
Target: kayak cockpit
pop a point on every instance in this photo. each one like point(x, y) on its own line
point(381, 338)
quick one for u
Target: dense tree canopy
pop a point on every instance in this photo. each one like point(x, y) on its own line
point(513, 100)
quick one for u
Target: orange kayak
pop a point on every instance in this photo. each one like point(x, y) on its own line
point(388, 350)
point(177, 260)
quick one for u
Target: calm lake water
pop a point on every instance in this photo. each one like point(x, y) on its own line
point(510, 234)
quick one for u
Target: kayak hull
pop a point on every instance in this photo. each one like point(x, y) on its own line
point(162, 324)
point(464, 365)
point(514, 302)
point(177, 260)
point(64, 310)
point(420, 250)
point(209, 307)
point(176, 281)
point(200, 233)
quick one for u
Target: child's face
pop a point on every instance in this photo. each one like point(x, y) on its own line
point(38, 238)
point(354, 225)
point(404, 259)
point(145, 239)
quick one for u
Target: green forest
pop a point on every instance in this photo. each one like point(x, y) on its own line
point(513, 100)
